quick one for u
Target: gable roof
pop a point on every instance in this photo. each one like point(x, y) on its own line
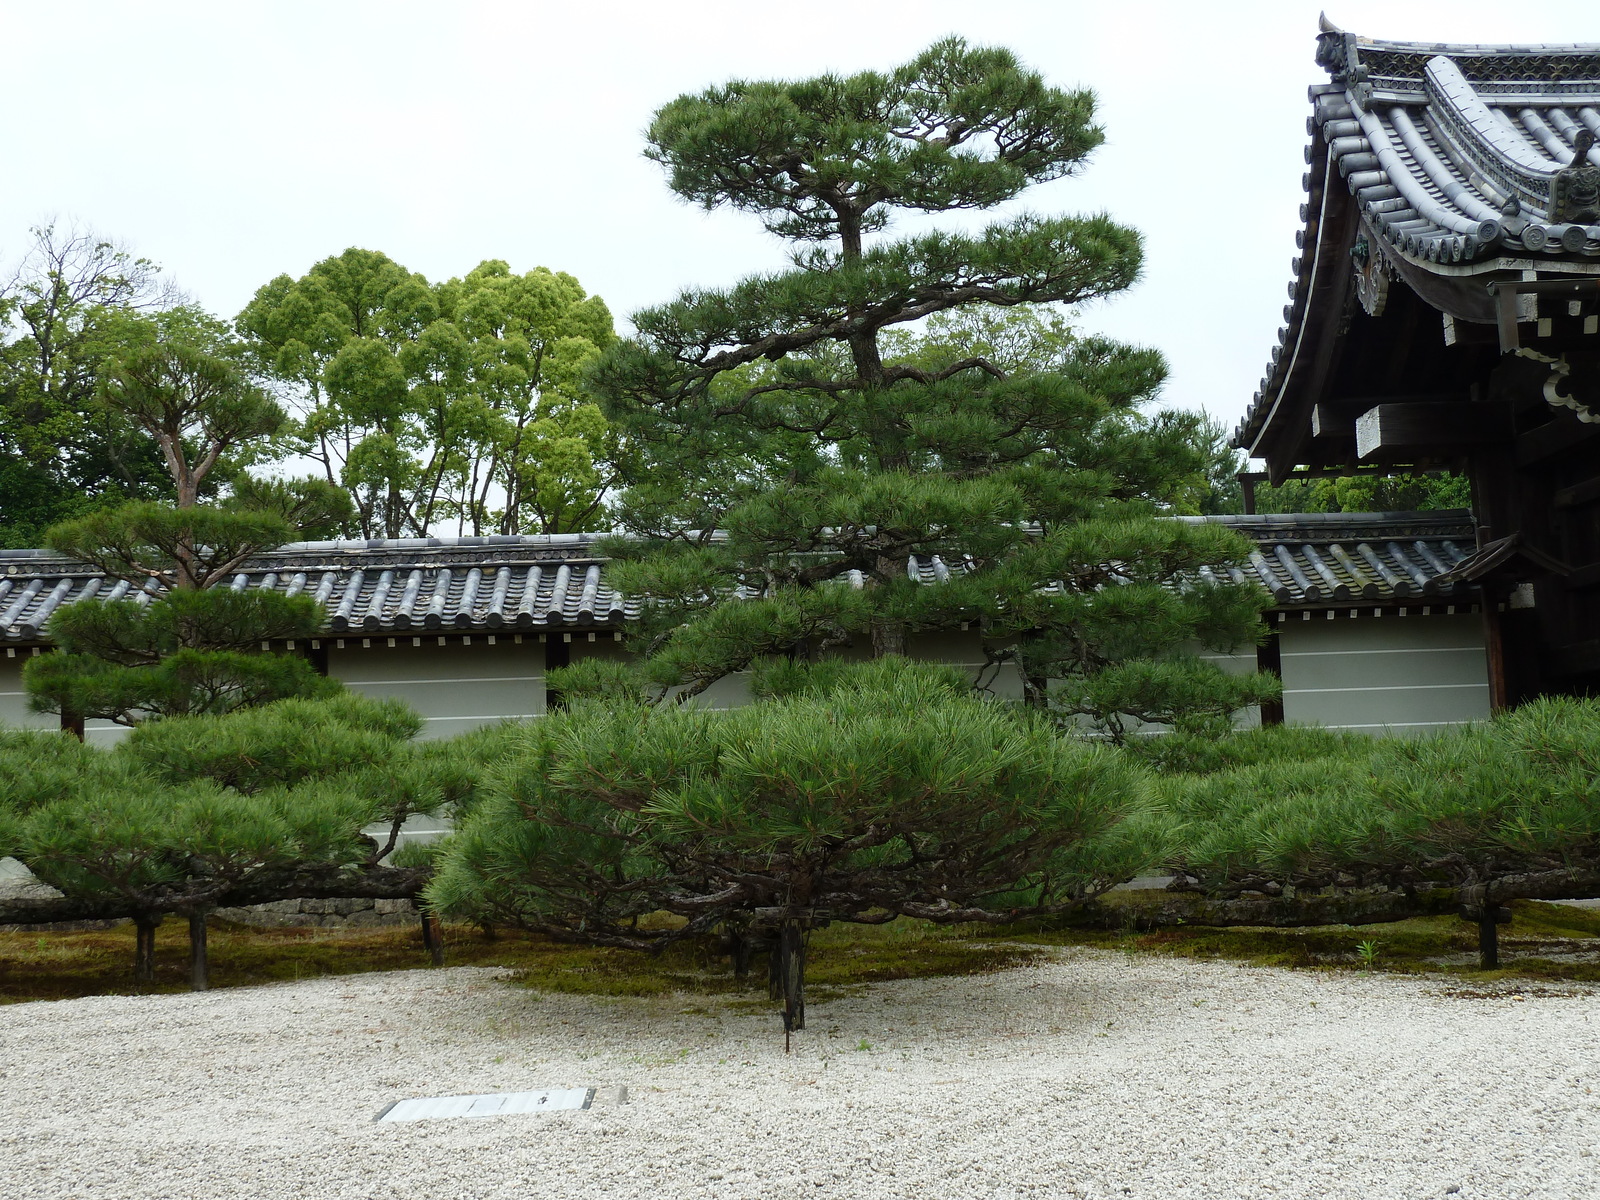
point(1461, 153)
point(1446, 167)
point(558, 582)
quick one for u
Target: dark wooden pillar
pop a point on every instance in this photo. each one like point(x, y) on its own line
point(1269, 661)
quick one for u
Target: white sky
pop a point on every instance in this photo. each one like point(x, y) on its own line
point(234, 141)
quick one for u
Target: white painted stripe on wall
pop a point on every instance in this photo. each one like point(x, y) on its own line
point(1398, 725)
point(1397, 687)
point(479, 679)
point(1401, 650)
point(488, 717)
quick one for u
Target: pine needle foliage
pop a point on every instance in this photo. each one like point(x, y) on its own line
point(1473, 808)
point(188, 811)
point(804, 439)
point(177, 644)
point(857, 794)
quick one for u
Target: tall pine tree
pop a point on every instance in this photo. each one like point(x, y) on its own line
point(808, 454)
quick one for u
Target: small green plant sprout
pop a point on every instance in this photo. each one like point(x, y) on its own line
point(1367, 952)
point(863, 1044)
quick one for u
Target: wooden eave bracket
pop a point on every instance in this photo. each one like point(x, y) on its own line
point(1493, 558)
point(1432, 426)
point(1507, 310)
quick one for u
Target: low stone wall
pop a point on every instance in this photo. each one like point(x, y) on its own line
point(322, 914)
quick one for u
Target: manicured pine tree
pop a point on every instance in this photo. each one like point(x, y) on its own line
point(804, 448)
point(798, 447)
point(178, 643)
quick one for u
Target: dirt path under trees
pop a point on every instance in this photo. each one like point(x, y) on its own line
point(1095, 1075)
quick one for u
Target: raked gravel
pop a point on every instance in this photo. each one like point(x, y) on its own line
point(1092, 1075)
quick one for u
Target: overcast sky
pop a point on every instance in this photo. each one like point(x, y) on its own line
point(232, 142)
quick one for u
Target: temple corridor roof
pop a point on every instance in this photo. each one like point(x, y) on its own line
point(1461, 153)
point(558, 582)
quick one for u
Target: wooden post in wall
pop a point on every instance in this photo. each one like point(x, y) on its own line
point(1269, 661)
point(1494, 651)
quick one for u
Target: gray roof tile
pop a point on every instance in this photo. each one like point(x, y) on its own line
point(464, 585)
point(1433, 141)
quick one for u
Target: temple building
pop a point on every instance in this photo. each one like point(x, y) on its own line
point(1445, 313)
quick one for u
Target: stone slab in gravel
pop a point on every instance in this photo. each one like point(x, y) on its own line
point(1093, 1075)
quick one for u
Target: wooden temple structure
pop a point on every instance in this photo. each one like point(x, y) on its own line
point(1445, 313)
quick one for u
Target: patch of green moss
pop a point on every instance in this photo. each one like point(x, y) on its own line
point(1420, 945)
point(55, 966)
point(1539, 944)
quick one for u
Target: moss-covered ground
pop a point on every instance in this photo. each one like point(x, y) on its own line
point(1544, 942)
point(59, 965)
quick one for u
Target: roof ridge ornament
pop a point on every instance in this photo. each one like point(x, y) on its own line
point(1575, 190)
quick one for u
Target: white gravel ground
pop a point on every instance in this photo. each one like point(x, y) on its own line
point(1096, 1075)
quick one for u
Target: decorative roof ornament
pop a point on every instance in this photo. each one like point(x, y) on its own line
point(1561, 373)
point(1575, 190)
point(1372, 275)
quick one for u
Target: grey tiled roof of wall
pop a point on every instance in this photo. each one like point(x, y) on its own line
point(466, 585)
point(1432, 141)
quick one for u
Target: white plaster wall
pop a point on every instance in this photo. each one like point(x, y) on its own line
point(14, 701)
point(1384, 675)
point(14, 707)
point(454, 687)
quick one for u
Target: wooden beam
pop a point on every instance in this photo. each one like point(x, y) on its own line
point(1558, 435)
point(1432, 427)
point(1575, 658)
point(1578, 494)
point(1587, 576)
point(1337, 417)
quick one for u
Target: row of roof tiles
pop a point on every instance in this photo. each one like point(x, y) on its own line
point(447, 584)
point(1452, 154)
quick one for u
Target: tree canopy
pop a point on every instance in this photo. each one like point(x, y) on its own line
point(458, 402)
point(63, 312)
point(808, 443)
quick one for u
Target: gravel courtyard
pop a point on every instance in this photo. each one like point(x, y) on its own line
point(1095, 1075)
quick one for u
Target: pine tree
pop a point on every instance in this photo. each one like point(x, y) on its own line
point(804, 448)
point(177, 643)
point(805, 445)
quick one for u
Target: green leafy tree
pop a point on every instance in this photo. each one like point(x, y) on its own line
point(194, 648)
point(801, 441)
point(543, 461)
point(1366, 493)
point(62, 453)
point(458, 402)
point(857, 794)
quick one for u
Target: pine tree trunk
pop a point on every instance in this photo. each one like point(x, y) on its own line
point(199, 960)
point(740, 948)
point(786, 977)
point(1488, 939)
point(144, 948)
point(888, 637)
point(432, 938)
